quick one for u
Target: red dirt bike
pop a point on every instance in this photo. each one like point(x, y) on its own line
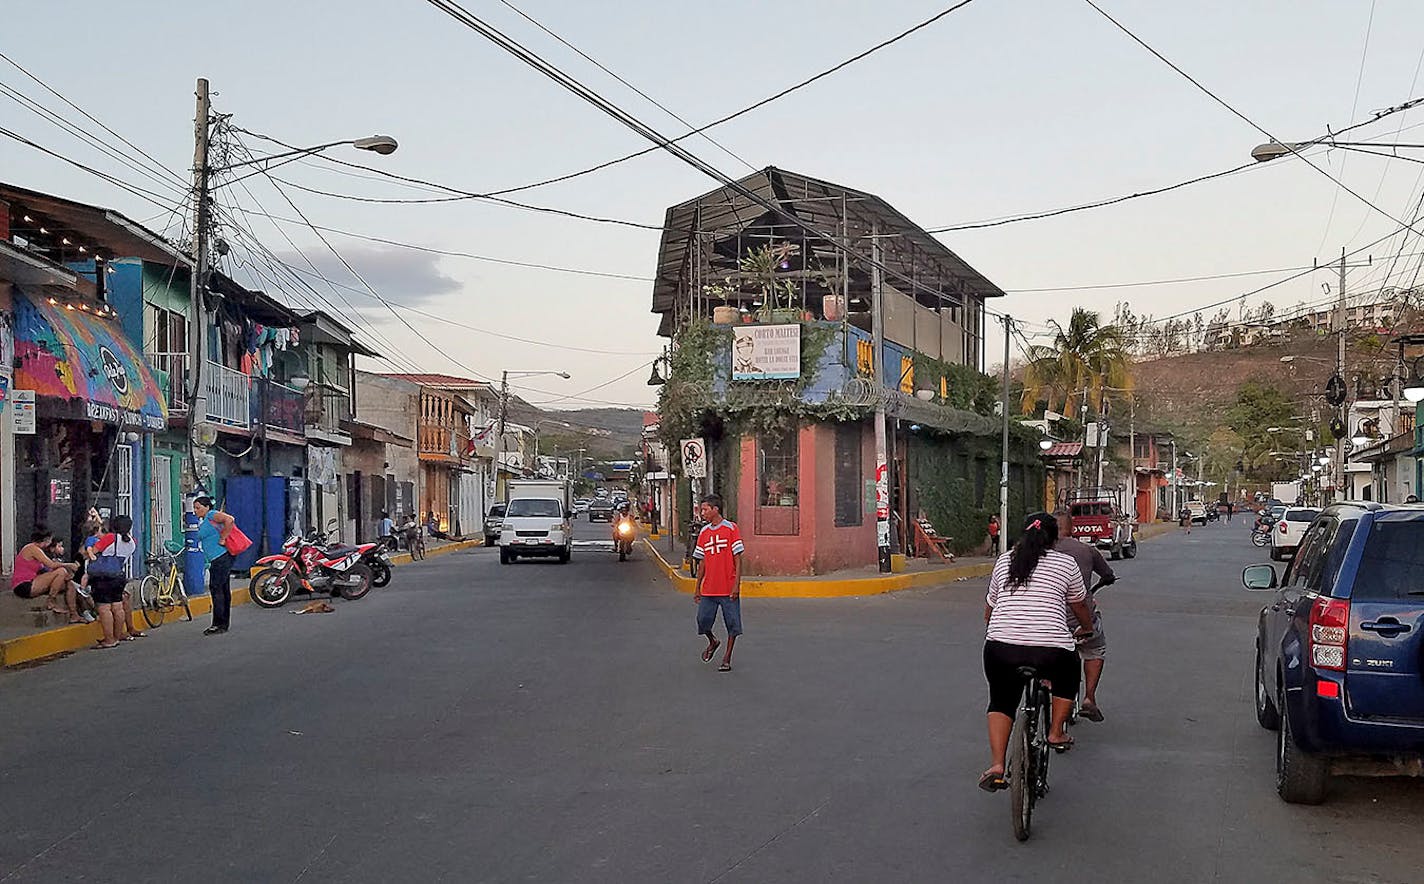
point(307, 564)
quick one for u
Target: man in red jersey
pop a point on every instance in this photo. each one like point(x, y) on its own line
point(719, 579)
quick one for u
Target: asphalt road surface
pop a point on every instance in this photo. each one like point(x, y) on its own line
point(539, 722)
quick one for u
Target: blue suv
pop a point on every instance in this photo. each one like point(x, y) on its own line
point(1340, 649)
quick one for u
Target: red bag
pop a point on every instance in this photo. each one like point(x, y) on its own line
point(236, 543)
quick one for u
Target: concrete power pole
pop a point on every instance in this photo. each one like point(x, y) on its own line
point(1004, 462)
point(882, 478)
point(1340, 370)
point(499, 433)
point(197, 332)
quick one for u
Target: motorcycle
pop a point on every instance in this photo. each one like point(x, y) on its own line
point(306, 564)
point(623, 534)
point(1261, 535)
point(378, 559)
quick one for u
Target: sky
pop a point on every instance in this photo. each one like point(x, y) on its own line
point(998, 109)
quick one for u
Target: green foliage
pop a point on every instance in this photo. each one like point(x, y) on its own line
point(1086, 355)
point(943, 470)
point(968, 388)
point(1259, 406)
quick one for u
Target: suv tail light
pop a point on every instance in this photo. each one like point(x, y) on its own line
point(1329, 625)
point(1283, 527)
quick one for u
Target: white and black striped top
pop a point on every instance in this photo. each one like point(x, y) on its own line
point(1037, 612)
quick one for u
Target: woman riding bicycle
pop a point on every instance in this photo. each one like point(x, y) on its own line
point(1030, 593)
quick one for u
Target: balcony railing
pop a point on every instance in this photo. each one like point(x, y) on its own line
point(229, 396)
point(278, 406)
point(442, 443)
point(327, 406)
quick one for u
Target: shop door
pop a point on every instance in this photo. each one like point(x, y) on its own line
point(162, 498)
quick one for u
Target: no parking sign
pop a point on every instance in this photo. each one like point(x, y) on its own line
point(694, 458)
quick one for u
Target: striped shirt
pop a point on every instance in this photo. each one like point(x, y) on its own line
point(1036, 613)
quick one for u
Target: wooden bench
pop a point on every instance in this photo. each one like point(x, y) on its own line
point(930, 542)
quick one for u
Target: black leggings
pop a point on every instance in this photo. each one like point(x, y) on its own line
point(1001, 668)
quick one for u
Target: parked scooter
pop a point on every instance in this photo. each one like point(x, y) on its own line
point(306, 564)
point(378, 559)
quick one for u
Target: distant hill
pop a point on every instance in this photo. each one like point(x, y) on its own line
point(606, 432)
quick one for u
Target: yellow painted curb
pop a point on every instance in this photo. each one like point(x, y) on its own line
point(77, 636)
point(817, 589)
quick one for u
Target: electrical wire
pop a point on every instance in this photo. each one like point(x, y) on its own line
point(746, 110)
point(651, 100)
point(1241, 116)
point(149, 196)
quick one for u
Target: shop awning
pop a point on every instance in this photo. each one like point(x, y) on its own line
point(86, 363)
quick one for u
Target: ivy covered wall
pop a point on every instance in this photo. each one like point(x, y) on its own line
point(954, 478)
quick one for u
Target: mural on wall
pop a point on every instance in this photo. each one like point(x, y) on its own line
point(67, 355)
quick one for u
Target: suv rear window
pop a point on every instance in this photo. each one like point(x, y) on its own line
point(1092, 509)
point(1301, 515)
point(1392, 565)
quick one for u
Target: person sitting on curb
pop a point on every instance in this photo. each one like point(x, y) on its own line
point(36, 574)
point(432, 525)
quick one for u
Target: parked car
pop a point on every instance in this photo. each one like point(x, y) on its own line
point(581, 505)
point(1289, 529)
point(493, 520)
point(1197, 510)
point(1340, 649)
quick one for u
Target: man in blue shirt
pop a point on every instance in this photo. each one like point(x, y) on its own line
point(386, 529)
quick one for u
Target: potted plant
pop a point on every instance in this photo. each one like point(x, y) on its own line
point(777, 294)
point(724, 313)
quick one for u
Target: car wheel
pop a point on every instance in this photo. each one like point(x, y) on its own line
point(1266, 713)
point(1301, 776)
point(1130, 551)
point(1275, 554)
point(1115, 553)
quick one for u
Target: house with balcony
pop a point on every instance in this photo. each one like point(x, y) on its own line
point(775, 365)
point(382, 464)
point(330, 348)
point(452, 431)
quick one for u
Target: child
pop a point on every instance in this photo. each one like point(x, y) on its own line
point(107, 579)
point(92, 529)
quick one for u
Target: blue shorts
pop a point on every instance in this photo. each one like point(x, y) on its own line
point(707, 614)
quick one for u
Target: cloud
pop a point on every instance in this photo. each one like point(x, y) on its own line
point(401, 275)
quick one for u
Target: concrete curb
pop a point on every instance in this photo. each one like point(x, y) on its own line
point(77, 636)
point(857, 586)
point(754, 587)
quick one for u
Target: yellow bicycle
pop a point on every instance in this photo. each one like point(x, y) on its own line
point(162, 588)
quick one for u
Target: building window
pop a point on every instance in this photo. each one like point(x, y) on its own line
point(778, 465)
point(849, 479)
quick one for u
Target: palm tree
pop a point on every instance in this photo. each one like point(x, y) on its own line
point(1084, 358)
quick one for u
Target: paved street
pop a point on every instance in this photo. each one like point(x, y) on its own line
point(554, 723)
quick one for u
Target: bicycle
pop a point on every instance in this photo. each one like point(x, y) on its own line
point(162, 590)
point(1027, 768)
point(416, 541)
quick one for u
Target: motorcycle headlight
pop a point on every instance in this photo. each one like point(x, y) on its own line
point(625, 529)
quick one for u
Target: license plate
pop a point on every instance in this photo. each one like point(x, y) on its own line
point(534, 541)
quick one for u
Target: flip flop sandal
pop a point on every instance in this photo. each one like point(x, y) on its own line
point(1062, 747)
point(993, 782)
point(725, 667)
point(100, 646)
point(128, 638)
point(1092, 713)
point(711, 652)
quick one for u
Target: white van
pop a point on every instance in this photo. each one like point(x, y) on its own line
point(536, 526)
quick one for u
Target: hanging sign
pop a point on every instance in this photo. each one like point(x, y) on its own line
point(766, 352)
point(24, 415)
point(694, 458)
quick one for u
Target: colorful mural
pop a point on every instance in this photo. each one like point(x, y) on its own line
point(70, 354)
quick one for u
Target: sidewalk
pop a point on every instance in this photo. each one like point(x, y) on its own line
point(28, 632)
point(861, 581)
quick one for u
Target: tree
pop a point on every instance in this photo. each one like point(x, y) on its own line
point(1085, 357)
point(1258, 407)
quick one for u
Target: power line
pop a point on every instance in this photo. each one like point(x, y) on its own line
point(1171, 281)
point(659, 105)
point(457, 254)
point(1241, 116)
point(746, 110)
point(156, 199)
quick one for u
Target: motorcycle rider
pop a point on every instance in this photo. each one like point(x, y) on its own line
point(625, 514)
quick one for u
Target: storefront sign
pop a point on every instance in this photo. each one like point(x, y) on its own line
point(99, 411)
point(24, 412)
point(59, 490)
point(766, 352)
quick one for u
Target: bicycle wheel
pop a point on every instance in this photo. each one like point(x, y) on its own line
point(180, 595)
point(417, 549)
point(1040, 746)
point(1021, 773)
point(149, 601)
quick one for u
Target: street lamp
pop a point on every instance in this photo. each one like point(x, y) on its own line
point(1045, 443)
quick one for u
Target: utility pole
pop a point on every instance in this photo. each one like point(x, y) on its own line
point(1340, 324)
point(1004, 462)
point(499, 433)
point(197, 331)
point(1132, 453)
point(1176, 486)
point(877, 334)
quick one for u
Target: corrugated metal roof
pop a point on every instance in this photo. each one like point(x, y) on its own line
point(1064, 449)
point(836, 210)
point(442, 381)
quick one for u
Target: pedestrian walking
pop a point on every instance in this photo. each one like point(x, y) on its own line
point(993, 535)
point(1230, 510)
point(213, 528)
point(718, 553)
